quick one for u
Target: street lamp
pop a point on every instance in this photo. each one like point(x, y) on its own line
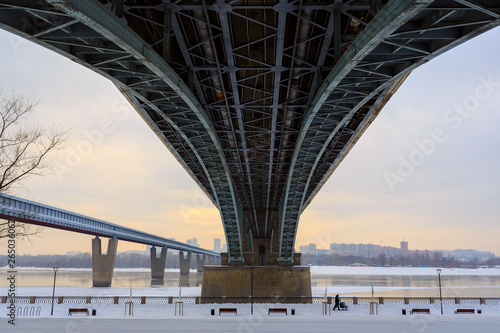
point(439, 270)
point(251, 297)
point(53, 290)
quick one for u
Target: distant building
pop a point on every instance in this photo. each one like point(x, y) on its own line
point(353, 248)
point(224, 248)
point(193, 242)
point(321, 252)
point(217, 245)
point(334, 247)
point(467, 255)
point(311, 249)
point(373, 251)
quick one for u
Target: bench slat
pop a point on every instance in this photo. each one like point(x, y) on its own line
point(78, 310)
point(231, 310)
point(277, 310)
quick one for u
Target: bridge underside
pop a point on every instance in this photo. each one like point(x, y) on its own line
point(259, 100)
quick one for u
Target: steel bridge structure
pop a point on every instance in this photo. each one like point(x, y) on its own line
point(259, 100)
point(27, 211)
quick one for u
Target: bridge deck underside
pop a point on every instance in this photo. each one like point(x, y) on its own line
point(259, 100)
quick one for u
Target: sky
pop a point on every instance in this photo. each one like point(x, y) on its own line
point(425, 171)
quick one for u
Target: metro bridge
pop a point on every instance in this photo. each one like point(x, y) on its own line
point(17, 209)
point(260, 101)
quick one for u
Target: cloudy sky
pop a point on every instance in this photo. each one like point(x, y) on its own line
point(427, 170)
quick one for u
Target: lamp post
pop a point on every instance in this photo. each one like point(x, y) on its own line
point(251, 300)
point(439, 270)
point(53, 290)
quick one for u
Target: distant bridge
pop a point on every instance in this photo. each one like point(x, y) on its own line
point(18, 209)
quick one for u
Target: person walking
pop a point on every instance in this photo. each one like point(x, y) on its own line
point(337, 302)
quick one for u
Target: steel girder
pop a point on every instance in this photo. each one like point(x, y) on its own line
point(88, 33)
point(18, 209)
point(404, 35)
point(254, 66)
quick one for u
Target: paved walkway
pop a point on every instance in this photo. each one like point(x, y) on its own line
point(351, 324)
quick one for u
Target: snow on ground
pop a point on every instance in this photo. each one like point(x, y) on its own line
point(364, 270)
point(263, 323)
point(203, 310)
point(307, 318)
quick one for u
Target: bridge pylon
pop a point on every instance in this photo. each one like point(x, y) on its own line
point(158, 266)
point(103, 265)
point(185, 262)
point(261, 275)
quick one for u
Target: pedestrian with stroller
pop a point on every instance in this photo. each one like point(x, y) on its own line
point(337, 302)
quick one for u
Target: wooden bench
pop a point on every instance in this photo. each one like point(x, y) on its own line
point(71, 311)
point(277, 310)
point(464, 311)
point(228, 310)
point(420, 311)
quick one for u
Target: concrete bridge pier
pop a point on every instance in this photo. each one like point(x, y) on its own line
point(211, 260)
point(185, 262)
point(103, 264)
point(158, 266)
point(200, 262)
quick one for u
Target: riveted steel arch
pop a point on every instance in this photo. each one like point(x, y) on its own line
point(88, 33)
point(403, 35)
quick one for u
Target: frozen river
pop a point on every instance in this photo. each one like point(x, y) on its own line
point(354, 281)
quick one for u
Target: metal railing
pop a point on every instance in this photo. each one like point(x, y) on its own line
point(244, 300)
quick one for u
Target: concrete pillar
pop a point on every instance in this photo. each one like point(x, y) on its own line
point(184, 280)
point(158, 266)
point(200, 262)
point(184, 262)
point(212, 260)
point(103, 264)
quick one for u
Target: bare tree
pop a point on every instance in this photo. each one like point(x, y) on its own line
point(24, 151)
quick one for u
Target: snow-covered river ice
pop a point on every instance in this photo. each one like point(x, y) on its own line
point(352, 281)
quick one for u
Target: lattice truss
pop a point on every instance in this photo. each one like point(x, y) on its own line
point(254, 66)
point(259, 100)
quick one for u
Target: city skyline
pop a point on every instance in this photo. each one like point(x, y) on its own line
point(402, 179)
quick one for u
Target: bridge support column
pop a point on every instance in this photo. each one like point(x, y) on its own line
point(158, 266)
point(103, 264)
point(200, 262)
point(211, 260)
point(185, 263)
point(293, 282)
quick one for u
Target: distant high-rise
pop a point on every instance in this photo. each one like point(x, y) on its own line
point(217, 246)
point(193, 241)
point(404, 246)
point(311, 249)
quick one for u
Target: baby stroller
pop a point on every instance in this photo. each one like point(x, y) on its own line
point(343, 306)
